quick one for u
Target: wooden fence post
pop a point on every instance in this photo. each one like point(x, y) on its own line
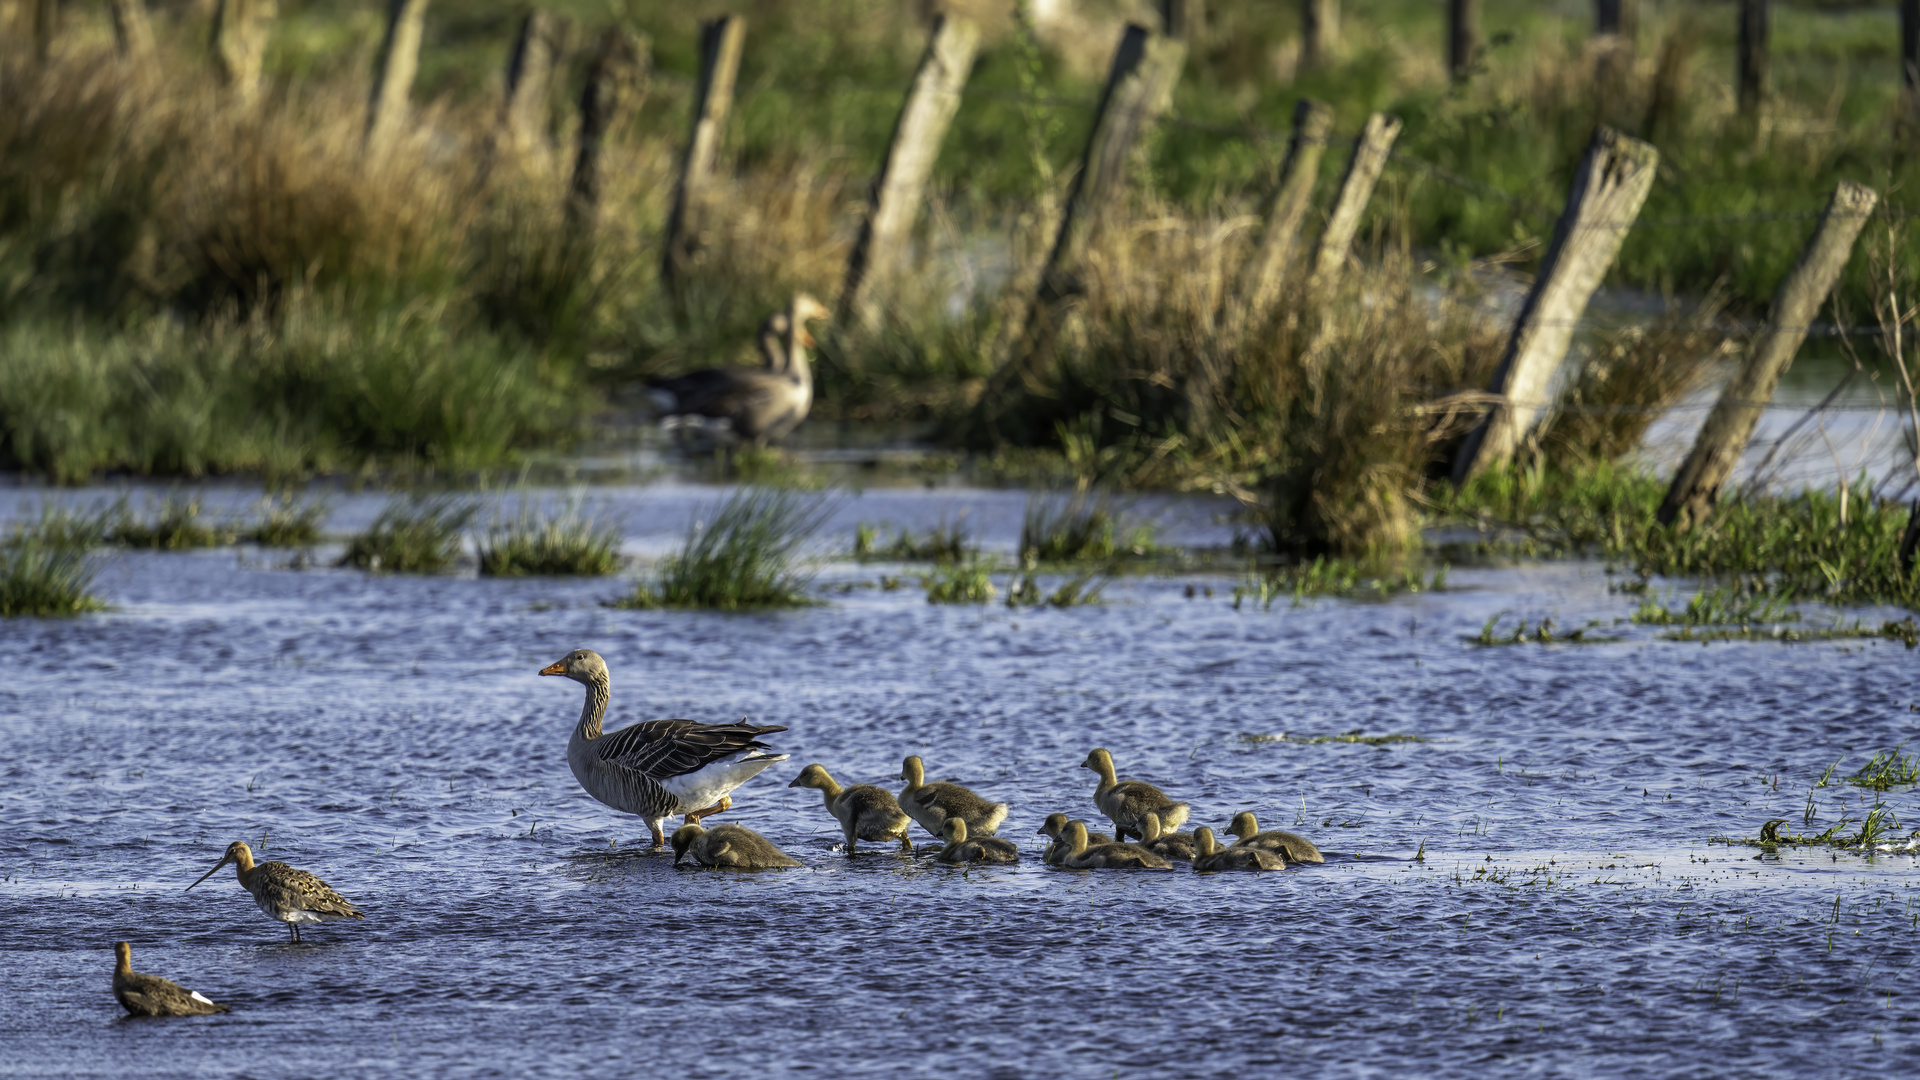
point(1138, 92)
point(1751, 68)
point(1608, 188)
point(720, 45)
point(1319, 31)
point(1356, 190)
point(132, 30)
point(525, 112)
point(1910, 58)
point(1723, 438)
point(1183, 19)
point(240, 29)
point(45, 16)
point(617, 77)
point(1615, 18)
point(1286, 209)
point(1463, 38)
point(911, 153)
point(393, 80)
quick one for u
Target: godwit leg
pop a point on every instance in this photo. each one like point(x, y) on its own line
point(725, 803)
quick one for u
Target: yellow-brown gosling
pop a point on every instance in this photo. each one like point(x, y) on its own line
point(291, 896)
point(1123, 801)
point(932, 804)
point(1296, 848)
point(1054, 829)
point(1208, 858)
point(1107, 856)
point(986, 849)
point(728, 847)
point(1174, 847)
point(151, 995)
point(865, 812)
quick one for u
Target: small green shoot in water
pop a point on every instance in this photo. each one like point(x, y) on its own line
point(1887, 770)
point(965, 583)
point(413, 535)
point(1543, 633)
point(568, 542)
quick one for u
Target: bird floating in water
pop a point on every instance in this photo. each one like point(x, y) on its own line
point(151, 995)
point(865, 812)
point(985, 849)
point(1291, 846)
point(752, 405)
point(1124, 801)
point(1209, 859)
point(932, 804)
point(291, 896)
point(1115, 856)
point(658, 768)
point(729, 847)
point(1055, 830)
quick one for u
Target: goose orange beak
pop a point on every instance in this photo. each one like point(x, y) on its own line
point(558, 667)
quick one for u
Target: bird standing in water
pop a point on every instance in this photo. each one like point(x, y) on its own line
point(151, 995)
point(291, 896)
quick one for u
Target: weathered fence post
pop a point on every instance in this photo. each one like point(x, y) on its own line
point(1463, 38)
point(132, 31)
point(616, 78)
point(1723, 438)
point(46, 13)
point(1183, 19)
point(240, 29)
point(1370, 155)
point(1319, 31)
point(1910, 58)
point(525, 111)
point(1614, 18)
point(915, 146)
point(1751, 66)
point(1286, 209)
point(393, 80)
point(1608, 188)
point(1138, 92)
point(720, 44)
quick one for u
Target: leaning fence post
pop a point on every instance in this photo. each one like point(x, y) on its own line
point(1751, 66)
point(1319, 31)
point(132, 31)
point(1723, 438)
point(900, 187)
point(1463, 37)
point(720, 43)
point(616, 78)
point(1910, 59)
point(393, 81)
point(1608, 188)
point(239, 41)
point(46, 13)
point(1356, 190)
point(1284, 213)
point(525, 110)
point(1615, 18)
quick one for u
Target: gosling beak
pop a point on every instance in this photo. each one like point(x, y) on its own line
point(558, 667)
point(210, 873)
point(796, 782)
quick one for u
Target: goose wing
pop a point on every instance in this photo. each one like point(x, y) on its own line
point(720, 391)
point(666, 748)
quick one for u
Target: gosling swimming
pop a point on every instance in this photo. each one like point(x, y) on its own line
point(1124, 801)
point(932, 804)
point(865, 812)
point(1174, 847)
point(1107, 856)
point(986, 849)
point(1054, 829)
point(1296, 848)
point(1209, 858)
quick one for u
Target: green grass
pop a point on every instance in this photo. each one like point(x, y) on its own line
point(741, 559)
point(1078, 591)
point(415, 534)
point(177, 525)
point(1081, 527)
point(569, 542)
point(45, 567)
point(1888, 770)
point(943, 542)
point(1324, 576)
point(288, 522)
point(1717, 607)
point(961, 583)
point(1543, 632)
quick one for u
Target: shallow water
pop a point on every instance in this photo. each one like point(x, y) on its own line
point(1569, 915)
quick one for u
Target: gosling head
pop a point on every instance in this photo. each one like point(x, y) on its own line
point(1243, 825)
point(956, 831)
point(913, 769)
point(1053, 826)
point(580, 665)
point(683, 838)
point(1099, 760)
point(122, 956)
point(813, 776)
point(1149, 827)
point(1076, 836)
point(1203, 841)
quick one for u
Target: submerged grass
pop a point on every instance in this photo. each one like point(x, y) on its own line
point(743, 559)
point(1081, 527)
point(944, 542)
point(1730, 606)
point(177, 525)
point(1905, 631)
point(570, 542)
point(962, 583)
point(1079, 591)
point(413, 535)
point(1543, 632)
point(1323, 576)
point(288, 522)
point(1354, 736)
point(1889, 770)
point(45, 568)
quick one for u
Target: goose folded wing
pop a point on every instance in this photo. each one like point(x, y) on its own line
point(663, 748)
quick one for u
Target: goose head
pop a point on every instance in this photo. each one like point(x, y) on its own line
point(955, 831)
point(683, 838)
point(805, 309)
point(813, 776)
point(122, 956)
point(1243, 825)
point(580, 665)
point(1100, 762)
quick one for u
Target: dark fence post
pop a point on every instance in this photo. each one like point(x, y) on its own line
point(1751, 68)
point(616, 78)
point(1284, 213)
point(721, 41)
point(1463, 37)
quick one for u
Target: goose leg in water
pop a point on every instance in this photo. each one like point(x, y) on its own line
point(725, 803)
point(659, 838)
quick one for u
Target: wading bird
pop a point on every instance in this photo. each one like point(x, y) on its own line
point(291, 896)
point(932, 804)
point(151, 995)
point(1123, 801)
point(657, 768)
point(1295, 848)
point(865, 812)
point(751, 405)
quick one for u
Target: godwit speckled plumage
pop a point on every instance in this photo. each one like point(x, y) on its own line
point(291, 896)
point(151, 995)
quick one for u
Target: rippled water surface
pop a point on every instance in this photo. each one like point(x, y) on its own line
point(1530, 890)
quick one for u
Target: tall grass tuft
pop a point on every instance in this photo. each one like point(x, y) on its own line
point(44, 567)
point(1081, 527)
point(569, 542)
point(177, 525)
point(960, 583)
point(944, 543)
point(412, 535)
point(743, 559)
point(288, 522)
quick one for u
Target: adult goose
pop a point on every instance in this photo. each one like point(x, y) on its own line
point(288, 895)
point(151, 995)
point(1209, 858)
point(1055, 830)
point(986, 849)
point(1293, 846)
point(752, 405)
point(729, 847)
point(933, 804)
point(1081, 856)
point(657, 768)
point(865, 812)
point(1124, 801)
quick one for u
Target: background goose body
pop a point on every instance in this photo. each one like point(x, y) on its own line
point(749, 404)
point(151, 995)
point(933, 804)
point(657, 769)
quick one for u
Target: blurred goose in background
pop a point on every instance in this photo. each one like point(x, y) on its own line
point(987, 849)
point(750, 405)
point(1174, 847)
point(1296, 848)
point(933, 804)
point(1080, 856)
point(288, 895)
point(1124, 801)
point(1208, 857)
point(657, 768)
point(151, 995)
point(865, 812)
point(1055, 830)
point(728, 847)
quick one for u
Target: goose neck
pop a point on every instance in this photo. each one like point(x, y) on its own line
point(594, 712)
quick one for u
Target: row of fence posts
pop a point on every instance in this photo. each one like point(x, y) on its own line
point(1608, 189)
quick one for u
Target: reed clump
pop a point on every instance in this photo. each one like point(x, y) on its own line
point(45, 569)
point(412, 535)
point(744, 558)
point(177, 525)
point(286, 521)
point(944, 542)
point(570, 542)
point(962, 583)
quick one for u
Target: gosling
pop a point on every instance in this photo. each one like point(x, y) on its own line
point(729, 847)
point(1174, 847)
point(1107, 856)
point(865, 812)
point(932, 804)
point(1296, 848)
point(1209, 858)
point(987, 849)
point(151, 995)
point(1124, 801)
point(1054, 829)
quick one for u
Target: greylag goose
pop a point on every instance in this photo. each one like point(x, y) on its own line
point(1107, 856)
point(1208, 858)
point(657, 768)
point(752, 405)
point(288, 895)
point(987, 849)
point(151, 995)
point(1054, 829)
point(728, 847)
point(1296, 848)
point(932, 804)
point(1123, 801)
point(865, 812)
point(1173, 846)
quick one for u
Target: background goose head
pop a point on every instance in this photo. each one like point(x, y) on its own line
point(805, 309)
point(580, 665)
